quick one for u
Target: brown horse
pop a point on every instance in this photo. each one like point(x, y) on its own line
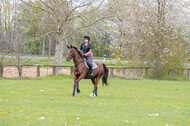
point(81, 71)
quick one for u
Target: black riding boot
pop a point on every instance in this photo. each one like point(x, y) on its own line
point(90, 69)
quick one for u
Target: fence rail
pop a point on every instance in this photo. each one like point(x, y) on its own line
point(134, 70)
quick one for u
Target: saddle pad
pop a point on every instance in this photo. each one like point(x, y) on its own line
point(94, 65)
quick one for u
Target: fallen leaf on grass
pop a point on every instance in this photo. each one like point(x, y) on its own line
point(42, 118)
point(125, 121)
point(153, 114)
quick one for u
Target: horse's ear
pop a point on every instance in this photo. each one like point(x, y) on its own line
point(68, 46)
point(75, 47)
point(71, 46)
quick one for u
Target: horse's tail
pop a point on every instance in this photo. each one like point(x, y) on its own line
point(105, 76)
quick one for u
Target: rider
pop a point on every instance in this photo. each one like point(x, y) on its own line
point(86, 47)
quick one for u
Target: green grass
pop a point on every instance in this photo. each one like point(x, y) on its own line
point(54, 77)
point(22, 103)
point(51, 61)
point(35, 61)
point(64, 55)
point(169, 77)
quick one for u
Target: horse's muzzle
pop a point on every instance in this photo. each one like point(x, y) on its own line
point(68, 59)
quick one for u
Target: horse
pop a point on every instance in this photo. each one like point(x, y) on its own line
point(81, 71)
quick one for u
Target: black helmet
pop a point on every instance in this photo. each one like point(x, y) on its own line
point(87, 37)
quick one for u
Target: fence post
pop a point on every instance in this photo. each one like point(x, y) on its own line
point(146, 72)
point(134, 72)
point(1, 70)
point(38, 71)
point(183, 72)
point(124, 72)
point(188, 72)
point(71, 70)
point(111, 72)
point(54, 70)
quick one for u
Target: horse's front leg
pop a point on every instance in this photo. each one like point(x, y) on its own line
point(76, 81)
point(74, 86)
point(78, 90)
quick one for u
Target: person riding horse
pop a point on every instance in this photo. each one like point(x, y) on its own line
point(80, 70)
point(86, 48)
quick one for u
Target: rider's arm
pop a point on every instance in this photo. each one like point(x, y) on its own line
point(81, 46)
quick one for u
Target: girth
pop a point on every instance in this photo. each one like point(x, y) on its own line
point(78, 65)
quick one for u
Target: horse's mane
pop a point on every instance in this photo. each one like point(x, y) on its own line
point(78, 50)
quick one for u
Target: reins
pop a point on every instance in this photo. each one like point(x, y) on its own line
point(77, 66)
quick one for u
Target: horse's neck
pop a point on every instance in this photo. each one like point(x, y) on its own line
point(77, 58)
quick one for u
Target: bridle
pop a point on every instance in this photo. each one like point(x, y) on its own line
point(77, 66)
point(71, 55)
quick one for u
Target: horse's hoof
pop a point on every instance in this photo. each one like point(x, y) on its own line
point(91, 95)
point(72, 95)
point(78, 91)
point(95, 95)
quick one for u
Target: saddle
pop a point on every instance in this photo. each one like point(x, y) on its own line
point(94, 65)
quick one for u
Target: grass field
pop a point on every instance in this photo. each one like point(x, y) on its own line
point(51, 61)
point(124, 102)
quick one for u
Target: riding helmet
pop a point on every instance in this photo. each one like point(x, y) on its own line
point(87, 37)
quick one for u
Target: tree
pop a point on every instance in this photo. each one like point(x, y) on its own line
point(8, 30)
point(62, 16)
point(146, 29)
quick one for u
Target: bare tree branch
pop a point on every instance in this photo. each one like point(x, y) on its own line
point(40, 9)
point(88, 25)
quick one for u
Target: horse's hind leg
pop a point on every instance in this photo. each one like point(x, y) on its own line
point(96, 85)
point(93, 81)
point(95, 90)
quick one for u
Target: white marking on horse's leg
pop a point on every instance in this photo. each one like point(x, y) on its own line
point(91, 95)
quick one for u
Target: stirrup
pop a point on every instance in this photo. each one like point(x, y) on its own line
point(91, 73)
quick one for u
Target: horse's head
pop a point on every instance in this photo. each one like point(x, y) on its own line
point(70, 53)
point(73, 51)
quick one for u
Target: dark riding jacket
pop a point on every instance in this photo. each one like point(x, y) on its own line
point(85, 48)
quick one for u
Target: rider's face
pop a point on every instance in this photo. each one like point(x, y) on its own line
point(86, 40)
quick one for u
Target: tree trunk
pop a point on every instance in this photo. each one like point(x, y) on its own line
point(59, 54)
point(1, 69)
point(49, 46)
point(20, 71)
point(0, 22)
point(43, 45)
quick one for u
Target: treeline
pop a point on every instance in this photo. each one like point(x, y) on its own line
point(151, 32)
